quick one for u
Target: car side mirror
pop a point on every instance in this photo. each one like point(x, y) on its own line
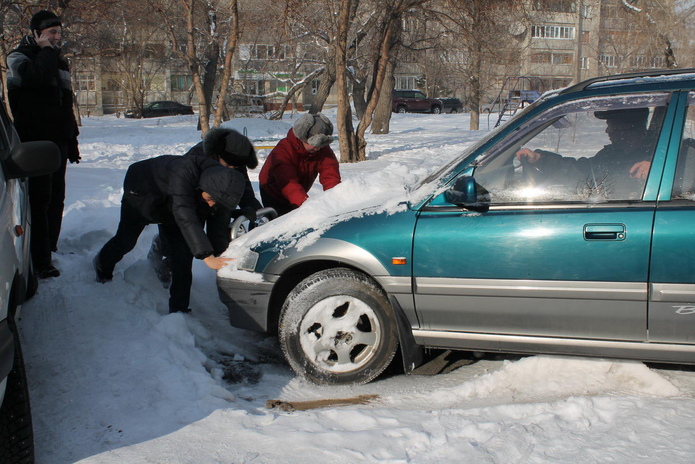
point(467, 193)
point(30, 159)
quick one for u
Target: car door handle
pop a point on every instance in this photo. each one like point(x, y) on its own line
point(604, 232)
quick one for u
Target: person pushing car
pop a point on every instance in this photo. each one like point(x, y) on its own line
point(181, 194)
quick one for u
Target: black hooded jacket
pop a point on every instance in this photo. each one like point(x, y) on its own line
point(167, 189)
point(248, 199)
point(40, 93)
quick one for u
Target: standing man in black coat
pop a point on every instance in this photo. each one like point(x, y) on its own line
point(41, 100)
point(181, 194)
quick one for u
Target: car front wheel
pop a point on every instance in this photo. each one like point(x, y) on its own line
point(401, 109)
point(436, 110)
point(337, 327)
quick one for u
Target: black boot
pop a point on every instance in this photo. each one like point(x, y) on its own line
point(47, 272)
point(102, 276)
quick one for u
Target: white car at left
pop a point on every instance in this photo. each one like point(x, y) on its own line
point(18, 162)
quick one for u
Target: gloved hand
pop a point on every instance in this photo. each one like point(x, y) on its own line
point(73, 151)
point(250, 213)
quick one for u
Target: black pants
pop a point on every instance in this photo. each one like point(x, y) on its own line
point(130, 227)
point(47, 199)
point(269, 201)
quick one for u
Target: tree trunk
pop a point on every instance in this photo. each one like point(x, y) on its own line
point(232, 41)
point(382, 114)
point(475, 87)
point(327, 81)
point(346, 135)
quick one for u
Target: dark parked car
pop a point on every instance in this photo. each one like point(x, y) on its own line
point(585, 248)
point(414, 101)
point(160, 108)
point(17, 162)
point(451, 105)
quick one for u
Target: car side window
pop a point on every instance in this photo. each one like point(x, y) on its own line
point(684, 183)
point(585, 151)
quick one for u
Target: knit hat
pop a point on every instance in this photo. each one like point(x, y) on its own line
point(43, 20)
point(224, 185)
point(314, 129)
point(232, 147)
point(637, 116)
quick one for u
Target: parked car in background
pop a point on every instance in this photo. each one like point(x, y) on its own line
point(160, 108)
point(414, 101)
point(17, 162)
point(501, 253)
point(451, 105)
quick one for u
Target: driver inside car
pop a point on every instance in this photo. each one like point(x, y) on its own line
point(622, 165)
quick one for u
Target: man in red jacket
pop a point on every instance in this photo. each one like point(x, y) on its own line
point(292, 167)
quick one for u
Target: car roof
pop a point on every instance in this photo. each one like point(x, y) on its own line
point(685, 75)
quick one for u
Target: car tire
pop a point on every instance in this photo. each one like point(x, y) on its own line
point(16, 433)
point(436, 110)
point(453, 111)
point(32, 284)
point(401, 109)
point(337, 327)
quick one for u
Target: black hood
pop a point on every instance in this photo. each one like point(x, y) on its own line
point(224, 185)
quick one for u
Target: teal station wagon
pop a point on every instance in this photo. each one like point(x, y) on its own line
point(570, 230)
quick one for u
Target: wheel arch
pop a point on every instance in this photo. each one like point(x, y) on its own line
point(300, 265)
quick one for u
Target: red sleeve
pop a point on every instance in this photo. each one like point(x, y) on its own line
point(285, 175)
point(329, 171)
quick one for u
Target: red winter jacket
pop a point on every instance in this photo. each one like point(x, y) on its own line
point(289, 171)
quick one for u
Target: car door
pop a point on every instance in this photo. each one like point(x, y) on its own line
point(672, 296)
point(561, 256)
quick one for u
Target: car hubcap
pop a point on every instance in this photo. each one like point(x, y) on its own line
point(340, 334)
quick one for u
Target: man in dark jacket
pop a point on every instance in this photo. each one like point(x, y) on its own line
point(293, 165)
point(180, 193)
point(232, 150)
point(41, 99)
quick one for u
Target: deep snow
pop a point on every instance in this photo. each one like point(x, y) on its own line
point(115, 379)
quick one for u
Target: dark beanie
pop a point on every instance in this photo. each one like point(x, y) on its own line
point(43, 20)
point(314, 129)
point(232, 147)
point(224, 185)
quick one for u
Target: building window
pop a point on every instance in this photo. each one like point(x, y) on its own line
point(555, 6)
point(552, 32)
point(315, 84)
point(552, 58)
point(585, 62)
point(608, 61)
point(656, 62)
point(406, 82)
point(84, 81)
point(586, 37)
point(181, 83)
point(268, 52)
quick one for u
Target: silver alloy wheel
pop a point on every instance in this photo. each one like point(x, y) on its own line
point(340, 334)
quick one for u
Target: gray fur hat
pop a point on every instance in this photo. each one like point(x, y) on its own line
point(235, 149)
point(314, 129)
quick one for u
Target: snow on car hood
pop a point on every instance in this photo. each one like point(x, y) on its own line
point(385, 191)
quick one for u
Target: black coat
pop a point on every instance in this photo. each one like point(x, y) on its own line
point(248, 198)
point(167, 189)
point(40, 93)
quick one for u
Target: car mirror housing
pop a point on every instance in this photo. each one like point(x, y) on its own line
point(467, 193)
point(30, 159)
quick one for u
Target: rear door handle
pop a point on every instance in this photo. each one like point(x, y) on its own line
point(604, 232)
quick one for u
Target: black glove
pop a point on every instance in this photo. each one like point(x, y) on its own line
point(73, 152)
point(249, 212)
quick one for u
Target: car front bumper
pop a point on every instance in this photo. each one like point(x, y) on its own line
point(247, 302)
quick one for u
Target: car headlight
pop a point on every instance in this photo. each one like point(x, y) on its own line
point(248, 262)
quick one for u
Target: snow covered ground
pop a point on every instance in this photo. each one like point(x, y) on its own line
point(115, 379)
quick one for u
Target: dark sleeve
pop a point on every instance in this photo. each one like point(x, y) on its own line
point(248, 198)
point(38, 72)
point(182, 189)
point(218, 231)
